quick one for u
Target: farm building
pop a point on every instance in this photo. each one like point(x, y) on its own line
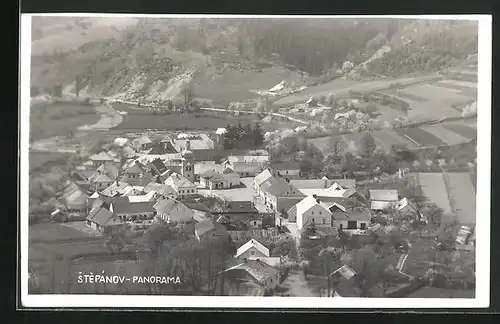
point(226, 180)
point(103, 220)
point(181, 185)
point(171, 210)
point(383, 199)
point(207, 229)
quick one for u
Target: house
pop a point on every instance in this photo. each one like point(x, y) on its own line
point(406, 207)
point(312, 102)
point(135, 174)
point(261, 178)
point(228, 179)
point(277, 193)
point(117, 188)
point(198, 142)
point(248, 158)
point(127, 210)
point(202, 167)
point(383, 199)
point(170, 210)
point(158, 168)
point(100, 181)
point(323, 183)
point(160, 190)
point(121, 142)
point(103, 220)
point(109, 169)
point(142, 143)
point(311, 211)
point(207, 229)
point(286, 169)
point(252, 248)
point(237, 215)
point(181, 185)
point(166, 144)
point(245, 169)
point(259, 274)
point(101, 158)
point(351, 219)
point(128, 152)
point(74, 198)
point(334, 191)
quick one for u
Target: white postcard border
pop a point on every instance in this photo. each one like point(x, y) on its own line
point(135, 301)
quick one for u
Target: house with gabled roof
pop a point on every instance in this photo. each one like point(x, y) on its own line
point(207, 229)
point(383, 199)
point(213, 181)
point(201, 167)
point(311, 211)
point(170, 210)
point(127, 210)
point(100, 181)
point(136, 174)
point(286, 169)
point(261, 178)
point(252, 248)
point(74, 198)
point(160, 190)
point(181, 185)
point(245, 169)
point(103, 220)
point(142, 143)
point(277, 192)
point(101, 158)
point(256, 272)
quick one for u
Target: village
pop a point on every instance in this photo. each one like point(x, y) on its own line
point(271, 228)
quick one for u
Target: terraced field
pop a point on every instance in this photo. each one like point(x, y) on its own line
point(420, 137)
point(462, 196)
point(448, 136)
point(462, 130)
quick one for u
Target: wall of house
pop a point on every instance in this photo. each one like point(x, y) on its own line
point(255, 223)
point(340, 224)
point(180, 213)
point(316, 214)
point(187, 191)
point(138, 216)
point(284, 173)
point(248, 253)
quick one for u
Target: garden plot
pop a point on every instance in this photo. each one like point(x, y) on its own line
point(387, 139)
point(420, 137)
point(462, 130)
point(434, 93)
point(53, 232)
point(462, 196)
point(434, 188)
point(446, 135)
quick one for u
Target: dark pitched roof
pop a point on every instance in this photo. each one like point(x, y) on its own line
point(246, 166)
point(100, 216)
point(208, 174)
point(136, 168)
point(124, 206)
point(157, 149)
point(158, 166)
point(205, 226)
point(259, 270)
point(274, 186)
point(166, 205)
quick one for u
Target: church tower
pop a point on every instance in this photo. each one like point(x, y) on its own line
point(187, 163)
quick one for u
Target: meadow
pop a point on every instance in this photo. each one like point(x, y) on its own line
point(60, 119)
point(142, 119)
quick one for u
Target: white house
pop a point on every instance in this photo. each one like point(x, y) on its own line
point(252, 248)
point(383, 199)
point(260, 179)
point(312, 211)
point(170, 210)
point(181, 185)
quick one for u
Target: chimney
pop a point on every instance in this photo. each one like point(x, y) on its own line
point(287, 180)
point(317, 200)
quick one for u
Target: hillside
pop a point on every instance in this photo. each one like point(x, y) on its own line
point(226, 60)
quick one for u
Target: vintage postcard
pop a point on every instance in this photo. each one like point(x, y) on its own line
point(288, 161)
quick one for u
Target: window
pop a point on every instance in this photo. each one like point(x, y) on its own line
point(363, 226)
point(312, 213)
point(320, 213)
point(340, 226)
point(312, 220)
point(324, 221)
point(252, 252)
point(254, 223)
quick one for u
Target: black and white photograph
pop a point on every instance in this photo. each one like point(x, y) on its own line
point(288, 161)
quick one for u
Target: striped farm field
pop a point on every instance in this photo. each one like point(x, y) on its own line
point(472, 85)
point(387, 139)
point(420, 137)
point(435, 93)
point(446, 135)
point(406, 95)
point(463, 130)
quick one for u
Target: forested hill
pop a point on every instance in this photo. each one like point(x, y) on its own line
point(124, 55)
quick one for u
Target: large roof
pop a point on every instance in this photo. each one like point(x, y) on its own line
point(236, 207)
point(246, 166)
point(285, 166)
point(202, 167)
point(179, 181)
point(259, 270)
point(262, 177)
point(207, 225)
point(308, 202)
point(102, 156)
point(115, 188)
point(384, 195)
point(160, 188)
point(135, 168)
point(158, 165)
point(125, 206)
point(252, 243)
point(275, 186)
point(100, 216)
point(167, 205)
